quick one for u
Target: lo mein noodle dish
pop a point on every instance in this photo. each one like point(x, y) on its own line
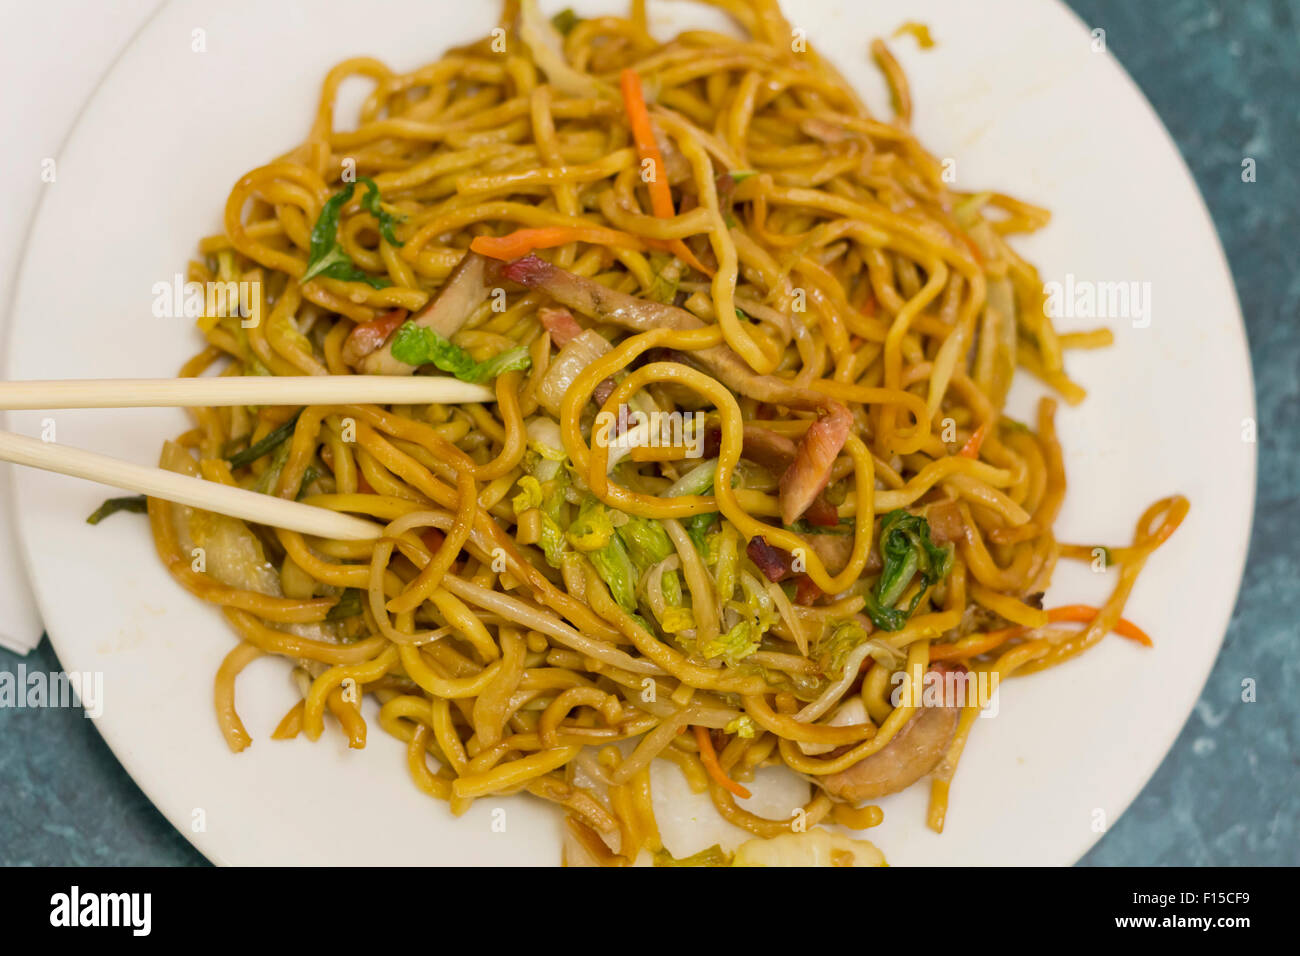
point(745, 495)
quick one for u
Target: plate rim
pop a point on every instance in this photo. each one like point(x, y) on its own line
point(203, 842)
point(1243, 546)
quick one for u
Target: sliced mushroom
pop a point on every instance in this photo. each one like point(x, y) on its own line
point(914, 752)
point(946, 522)
point(770, 449)
point(371, 336)
point(468, 287)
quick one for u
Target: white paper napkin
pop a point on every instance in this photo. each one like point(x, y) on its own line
point(20, 623)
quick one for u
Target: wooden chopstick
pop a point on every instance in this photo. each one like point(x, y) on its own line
point(183, 489)
point(242, 390)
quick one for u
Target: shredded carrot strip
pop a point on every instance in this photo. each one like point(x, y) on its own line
point(647, 147)
point(709, 757)
point(523, 241)
point(1084, 613)
point(977, 644)
point(661, 198)
point(682, 251)
point(972, 447)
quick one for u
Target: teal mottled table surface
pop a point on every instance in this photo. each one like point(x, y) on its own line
point(1224, 75)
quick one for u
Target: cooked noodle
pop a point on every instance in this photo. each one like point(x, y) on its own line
point(719, 226)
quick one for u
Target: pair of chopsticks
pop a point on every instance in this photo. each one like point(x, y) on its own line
point(203, 392)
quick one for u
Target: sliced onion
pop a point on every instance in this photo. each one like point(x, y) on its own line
point(572, 360)
point(852, 712)
point(544, 438)
point(654, 585)
point(233, 555)
point(836, 690)
point(694, 482)
point(583, 846)
point(698, 581)
point(544, 42)
point(467, 287)
point(638, 436)
point(786, 610)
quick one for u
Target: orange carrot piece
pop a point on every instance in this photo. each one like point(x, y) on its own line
point(1084, 614)
point(682, 251)
point(972, 447)
point(521, 242)
point(977, 644)
point(647, 147)
point(709, 757)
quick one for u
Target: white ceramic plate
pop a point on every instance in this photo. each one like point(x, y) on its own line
point(1013, 91)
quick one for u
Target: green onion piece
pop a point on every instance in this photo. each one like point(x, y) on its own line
point(137, 504)
point(268, 444)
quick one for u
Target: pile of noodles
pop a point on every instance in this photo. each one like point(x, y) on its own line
point(812, 243)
